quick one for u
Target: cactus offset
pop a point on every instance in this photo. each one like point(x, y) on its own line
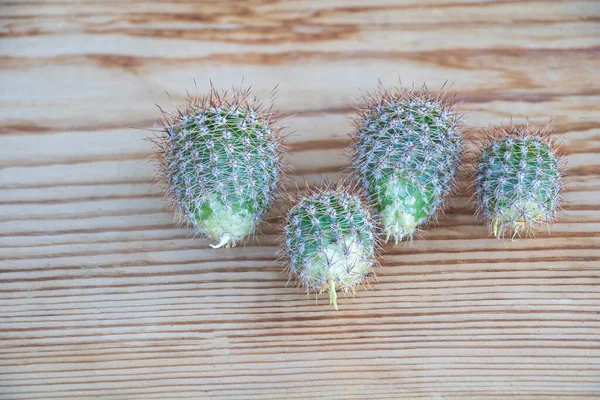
point(518, 180)
point(406, 150)
point(330, 241)
point(221, 162)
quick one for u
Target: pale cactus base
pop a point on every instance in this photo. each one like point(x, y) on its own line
point(226, 226)
point(338, 267)
point(400, 218)
point(398, 222)
point(517, 220)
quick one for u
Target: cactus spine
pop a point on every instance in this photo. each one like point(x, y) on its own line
point(220, 160)
point(406, 149)
point(518, 180)
point(330, 241)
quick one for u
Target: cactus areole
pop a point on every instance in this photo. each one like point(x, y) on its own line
point(330, 241)
point(220, 158)
point(518, 180)
point(406, 149)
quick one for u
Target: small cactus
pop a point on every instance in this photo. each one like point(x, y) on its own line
point(330, 241)
point(518, 180)
point(406, 150)
point(221, 161)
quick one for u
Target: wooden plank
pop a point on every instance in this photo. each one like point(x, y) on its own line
point(102, 296)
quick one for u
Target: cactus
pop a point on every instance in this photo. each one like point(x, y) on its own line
point(220, 158)
point(518, 180)
point(406, 150)
point(330, 241)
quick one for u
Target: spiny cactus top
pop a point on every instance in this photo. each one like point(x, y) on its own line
point(518, 180)
point(330, 241)
point(406, 149)
point(221, 161)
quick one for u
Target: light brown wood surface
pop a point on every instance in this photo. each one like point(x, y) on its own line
point(102, 297)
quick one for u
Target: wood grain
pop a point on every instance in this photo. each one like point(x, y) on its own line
point(102, 297)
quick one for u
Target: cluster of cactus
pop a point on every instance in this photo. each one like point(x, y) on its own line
point(518, 180)
point(330, 241)
point(407, 147)
point(221, 159)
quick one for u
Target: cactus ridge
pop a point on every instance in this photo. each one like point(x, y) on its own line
point(330, 241)
point(518, 180)
point(220, 159)
point(406, 149)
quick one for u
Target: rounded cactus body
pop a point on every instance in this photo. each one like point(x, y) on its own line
point(406, 150)
point(518, 180)
point(330, 241)
point(221, 162)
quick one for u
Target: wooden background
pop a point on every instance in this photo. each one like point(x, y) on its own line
point(102, 297)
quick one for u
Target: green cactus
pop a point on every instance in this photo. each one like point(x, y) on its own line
point(406, 150)
point(221, 161)
point(518, 180)
point(330, 241)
